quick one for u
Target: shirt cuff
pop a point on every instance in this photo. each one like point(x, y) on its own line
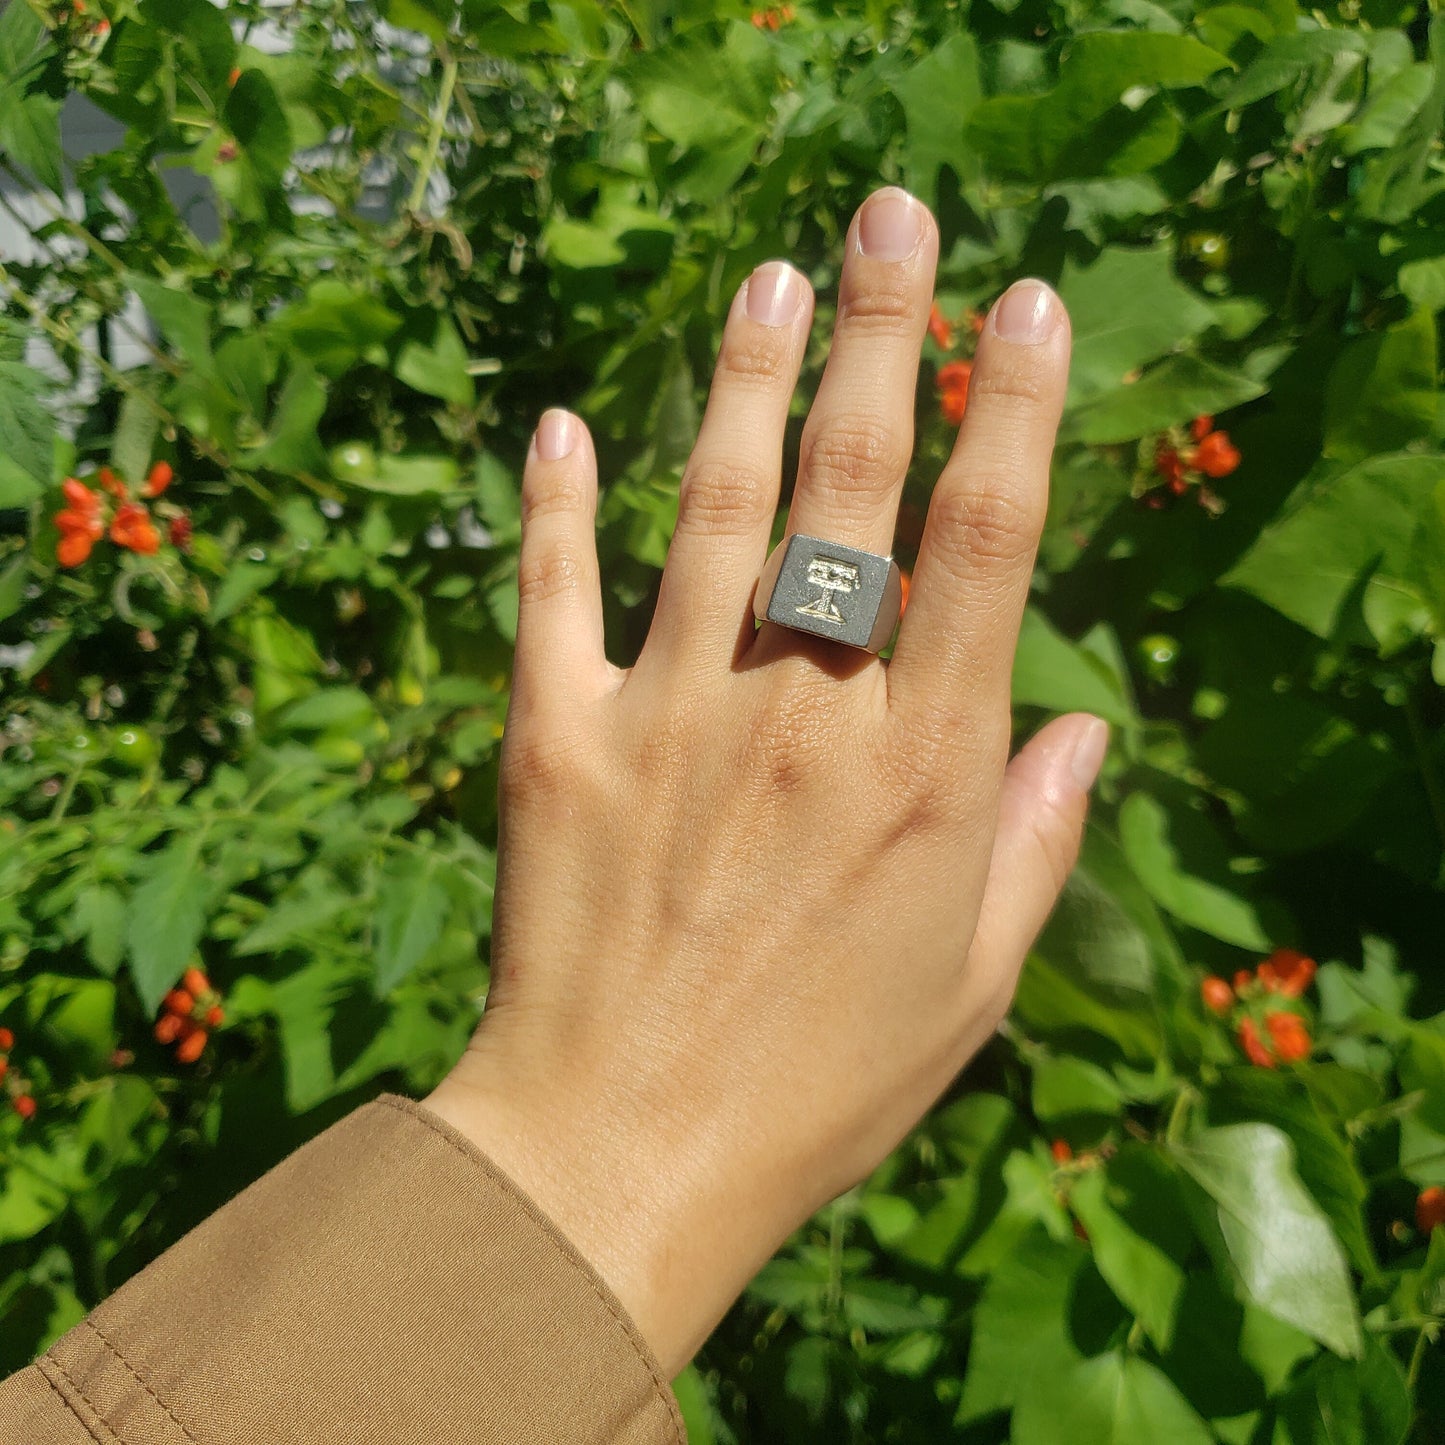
point(386, 1284)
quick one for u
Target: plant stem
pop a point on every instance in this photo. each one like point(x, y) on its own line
point(434, 135)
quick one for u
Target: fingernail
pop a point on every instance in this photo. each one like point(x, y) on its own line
point(1028, 312)
point(1089, 753)
point(891, 225)
point(774, 291)
point(556, 435)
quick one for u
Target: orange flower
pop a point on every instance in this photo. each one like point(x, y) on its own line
point(1287, 972)
point(939, 328)
point(1216, 455)
point(1169, 464)
point(24, 1105)
point(1243, 978)
point(72, 549)
point(1430, 1208)
point(234, 76)
point(1061, 1151)
point(158, 479)
point(195, 982)
point(1290, 1036)
point(953, 380)
point(1200, 427)
point(7, 1039)
point(4, 1066)
point(80, 497)
point(215, 1016)
point(1253, 1046)
point(1217, 995)
point(168, 1029)
point(111, 483)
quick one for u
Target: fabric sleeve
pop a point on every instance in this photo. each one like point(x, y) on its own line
point(384, 1285)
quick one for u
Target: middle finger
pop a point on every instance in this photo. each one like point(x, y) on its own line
point(858, 438)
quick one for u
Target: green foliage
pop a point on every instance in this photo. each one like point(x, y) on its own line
point(267, 749)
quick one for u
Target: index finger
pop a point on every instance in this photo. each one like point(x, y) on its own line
point(954, 653)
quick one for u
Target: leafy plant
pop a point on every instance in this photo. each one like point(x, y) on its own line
point(1192, 1191)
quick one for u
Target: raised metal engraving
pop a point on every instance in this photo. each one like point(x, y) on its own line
point(833, 579)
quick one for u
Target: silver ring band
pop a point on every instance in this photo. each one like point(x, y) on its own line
point(829, 590)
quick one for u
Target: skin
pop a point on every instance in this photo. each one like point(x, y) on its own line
point(761, 896)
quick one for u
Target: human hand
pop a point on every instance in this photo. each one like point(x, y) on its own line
point(761, 897)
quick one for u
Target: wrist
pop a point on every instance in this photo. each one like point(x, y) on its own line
point(632, 1189)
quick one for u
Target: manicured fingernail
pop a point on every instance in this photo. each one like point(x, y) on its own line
point(891, 225)
point(1089, 753)
point(774, 291)
point(1028, 312)
point(556, 435)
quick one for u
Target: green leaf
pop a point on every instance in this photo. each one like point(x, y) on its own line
point(1114, 1399)
point(696, 1406)
point(1151, 837)
point(1127, 309)
point(185, 321)
point(1178, 388)
point(410, 474)
point(1065, 1087)
point(1322, 1159)
point(1382, 392)
point(338, 325)
point(1334, 1402)
point(1147, 1281)
point(29, 106)
point(935, 133)
point(499, 499)
point(432, 18)
point(1021, 1326)
point(1282, 1250)
point(1052, 672)
point(1288, 60)
point(99, 918)
point(432, 359)
point(1090, 123)
point(26, 435)
point(412, 905)
point(133, 445)
point(166, 919)
point(1345, 533)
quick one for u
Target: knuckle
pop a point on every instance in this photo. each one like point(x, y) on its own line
point(562, 495)
point(544, 575)
point(886, 304)
point(987, 522)
point(1023, 388)
point(720, 498)
point(751, 356)
point(539, 762)
point(856, 455)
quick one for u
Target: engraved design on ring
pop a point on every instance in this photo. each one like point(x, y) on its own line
point(811, 584)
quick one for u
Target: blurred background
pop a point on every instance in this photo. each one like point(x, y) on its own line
point(283, 289)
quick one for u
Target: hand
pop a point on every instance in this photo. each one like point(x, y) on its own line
point(761, 897)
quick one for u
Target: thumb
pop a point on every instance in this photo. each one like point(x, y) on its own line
point(1042, 807)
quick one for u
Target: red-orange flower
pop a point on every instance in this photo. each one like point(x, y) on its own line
point(939, 328)
point(73, 549)
point(1430, 1208)
point(1287, 971)
point(1290, 1036)
point(24, 1105)
point(132, 527)
point(1200, 427)
point(7, 1039)
point(1254, 1047)
point(191, 1046)
point(111, 483)
point(1217, 995)
point(1216, 455)
point(953, 380)
point(158, 479)
point(179, 532)
point(1061, 1151)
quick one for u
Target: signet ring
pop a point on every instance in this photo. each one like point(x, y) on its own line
point(831, 591)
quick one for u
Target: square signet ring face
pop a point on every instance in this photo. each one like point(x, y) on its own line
point(832, 591)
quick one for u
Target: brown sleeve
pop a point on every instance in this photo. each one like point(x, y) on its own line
point(385, 1285)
